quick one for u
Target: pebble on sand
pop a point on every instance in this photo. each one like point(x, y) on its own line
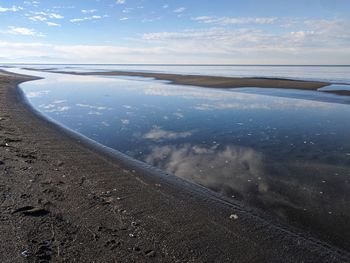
point(234, 216)
point(150, 253)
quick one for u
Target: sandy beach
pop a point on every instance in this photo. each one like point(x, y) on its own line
point(65, 200)
point(216, 81)
point(209, 81)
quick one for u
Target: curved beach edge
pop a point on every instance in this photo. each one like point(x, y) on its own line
point(68, 198)
point(207, 81)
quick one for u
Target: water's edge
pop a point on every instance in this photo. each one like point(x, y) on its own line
point(139, 167)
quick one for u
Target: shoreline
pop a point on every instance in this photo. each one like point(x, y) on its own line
point(209, 81)
point(89, 206)
point(205, 81)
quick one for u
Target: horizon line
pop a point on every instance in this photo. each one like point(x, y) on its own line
point(179, 64)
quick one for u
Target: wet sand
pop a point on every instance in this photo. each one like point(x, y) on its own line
point(210, 81)
point(65, 200)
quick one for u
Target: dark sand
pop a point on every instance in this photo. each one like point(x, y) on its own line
point(62, 200)
point(210, 81)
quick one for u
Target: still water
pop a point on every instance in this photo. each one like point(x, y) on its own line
point(281, 153)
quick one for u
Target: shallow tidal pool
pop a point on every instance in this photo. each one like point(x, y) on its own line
point(285, 152)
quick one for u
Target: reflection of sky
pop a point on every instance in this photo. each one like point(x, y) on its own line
point(336, 87)
point(288, 155)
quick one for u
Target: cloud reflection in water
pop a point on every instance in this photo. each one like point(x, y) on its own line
point(233, 170)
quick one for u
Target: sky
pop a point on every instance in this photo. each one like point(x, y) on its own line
point(175, 31)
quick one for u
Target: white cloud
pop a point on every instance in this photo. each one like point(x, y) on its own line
point(49, 15)
point(299, 34)
point(43, 17)
point(38, 18)
point(214, 37)
point(23, 31)
point(179, 10)
point(316, 42)
point(127, 10)
point(151, 19)
point(234, 20)
point(309, 42)
point(120, 2)
point(52, 24)
point(74, 20)
point(10, 9)
point(165, 6)
point(89, 11)
point(64, 7)
point(31, 3)
point(57, 16)
point(41, 53)
point(124, 18)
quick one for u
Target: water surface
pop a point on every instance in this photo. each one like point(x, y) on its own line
point(281, 153)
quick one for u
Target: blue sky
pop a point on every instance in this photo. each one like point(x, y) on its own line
point(192, 31)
